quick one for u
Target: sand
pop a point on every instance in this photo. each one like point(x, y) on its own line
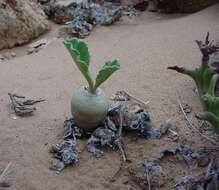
point(146, 46)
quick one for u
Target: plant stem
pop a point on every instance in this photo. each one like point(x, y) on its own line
point(211, 118)
point(90, 84)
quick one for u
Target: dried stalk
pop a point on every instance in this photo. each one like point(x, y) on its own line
point(126, 97)
point(22, 106)
point(118, 140)
point(137, 99)
point(148, 180)
point(115, 175)
point(3, 177)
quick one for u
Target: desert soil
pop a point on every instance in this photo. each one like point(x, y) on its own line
point(145, 45)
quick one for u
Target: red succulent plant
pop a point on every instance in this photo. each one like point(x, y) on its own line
point(207, 48)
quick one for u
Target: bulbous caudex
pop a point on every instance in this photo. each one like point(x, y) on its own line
point(89, 105)
point(89, 109)
point(205, 78)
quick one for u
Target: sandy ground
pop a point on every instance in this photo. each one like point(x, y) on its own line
point(145, 46)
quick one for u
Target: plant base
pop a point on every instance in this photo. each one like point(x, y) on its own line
point(89, 109)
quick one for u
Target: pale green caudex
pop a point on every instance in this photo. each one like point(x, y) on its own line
point(81, 56)
point(205, 77)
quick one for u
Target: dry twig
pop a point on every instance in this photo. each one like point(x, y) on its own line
point(148, 180)
point(125, 96)
point(116, 174)
point(4, 176)
point(137, 99)
point(118, 140)
point(22, 106)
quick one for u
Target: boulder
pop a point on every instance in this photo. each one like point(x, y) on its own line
point(178, 6)
point(20, 22)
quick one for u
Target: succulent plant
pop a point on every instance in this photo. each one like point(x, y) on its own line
point(205, 78)
point(202, 76)
point(81, 56)
point(89, 106)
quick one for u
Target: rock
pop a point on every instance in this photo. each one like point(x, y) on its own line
point(20, 22)
point(178, 6)
point(43, 1)
point(39, 43)
point(67, 3)
point(7, 56)
point(2, 57)
point(152, 6)
point(60, 11)
point(142, 6)
point(13, 54)
point(33, 50)
point(133, 2)
point(84, 16)
point(81, 16)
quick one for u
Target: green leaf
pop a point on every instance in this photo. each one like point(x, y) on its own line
point(212, 84)
point(78, 50)
point(108, 69)
point(80, 54)
point(206, 78)
point(212, 119)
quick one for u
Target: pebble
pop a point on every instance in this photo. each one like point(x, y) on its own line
point(7, 55)
point(1, 57)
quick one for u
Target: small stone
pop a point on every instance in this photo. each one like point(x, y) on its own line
point(7, 55)
point(13, 54)
point(39, 43)
point(203, 161)
point(14, 117)
point(57, 166)
point(30, 51)
point(4, 183)
point(187, 108)
point(2, 57)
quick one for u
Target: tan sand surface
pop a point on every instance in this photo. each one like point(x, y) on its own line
point(146, 46)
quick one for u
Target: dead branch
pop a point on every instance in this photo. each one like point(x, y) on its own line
point(4, 176)
point(22, 106)
point(125, 96)
point(148, 180)
point(118, 140)
point(115, 175)
point(137, 99)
